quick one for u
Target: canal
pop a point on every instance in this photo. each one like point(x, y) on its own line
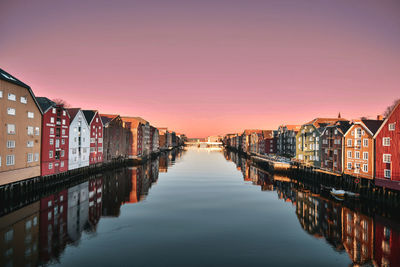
point(193, 207)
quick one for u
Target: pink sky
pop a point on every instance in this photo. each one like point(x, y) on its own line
point(208, 67)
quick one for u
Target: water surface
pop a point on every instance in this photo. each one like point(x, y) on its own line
point(198, 207)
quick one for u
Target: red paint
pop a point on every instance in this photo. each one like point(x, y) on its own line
point(393, 149)
point(58, 161)
point(96, 140)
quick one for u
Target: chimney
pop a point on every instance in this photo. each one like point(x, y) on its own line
point(379, 118)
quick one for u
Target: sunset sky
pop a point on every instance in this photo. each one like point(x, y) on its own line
point(208, 67)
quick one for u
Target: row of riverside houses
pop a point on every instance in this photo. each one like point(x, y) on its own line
point(365, 149)
point(41, 138)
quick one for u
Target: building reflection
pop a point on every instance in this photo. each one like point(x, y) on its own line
point(368, 239)
point(38, 233)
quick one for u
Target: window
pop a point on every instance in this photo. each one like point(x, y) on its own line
point(357, 168)
point(97, 119)
point(62, 165)
point(335, 152)
point(11, 111)
point(365, 142)
point(51, 141)
point(10, 144)
point(365, 168)
point(11, 128)
point(387, 173)
point(24, 100)
point(64, 113)
point(357, 154)
point(57, 143)
point(30, 157)
point(37, 131)
point(349, 154)
point(50, 166)
point(63, 141)
point(365, 155)
point(349, 165)
point(53, 110)
point(392, 126)
point(386, 141)
point(36, 156)
point(349, 142)
point(63, 131)
point(63, 122)
point(30, 130)
point(29, 144)
point(9, 235)
point(358, 133)
point(358, 143)
point(52, 120)
point(10, 160)
point(386, 158)
point(1, 94)
point(12, 97)
point(51, 154)
point(62, 153)
point(31, 115)
point(51, 130)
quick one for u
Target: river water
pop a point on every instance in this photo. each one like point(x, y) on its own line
point(196, 207)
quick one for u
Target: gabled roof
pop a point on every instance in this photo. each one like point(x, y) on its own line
point(143, 121)
point(371, 126)
point(387, 118)
point(268, 133)
point(89, 115)
point(5, 76)
point(293, 127)
point(11, 79)
point(45, 103)
point(107, 118)
point(72, 112)
point(342, 126)
point(133, 121)
point(250, 131)
point(321, 122)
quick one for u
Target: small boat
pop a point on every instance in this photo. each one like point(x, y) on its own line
point(341, 194)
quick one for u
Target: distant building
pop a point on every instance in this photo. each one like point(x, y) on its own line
point(286, 140)
point(387, 157)
point(79, 140)
point(308, 148)
point(115, 138)
point(154, 140)
point(359, 148)
point(135, 128)
point(331, 146)
point(20, 130)
point(96, 136)
point(163, 138)
point(55, 137)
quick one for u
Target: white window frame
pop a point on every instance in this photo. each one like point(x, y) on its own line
point(36, 157)
point(349, 165)
point(51, 154)
point(387, 158)
point(386, 141)
point(31, 115)
point(365, 156)
point(365, 142)
point(10, 160)
point(29, 158)
point(357, 154)
point(349, 154)
point(30, 130)
point(365, 168)
point(387, 173)
point(10, 143)
point(11, 111)
point(24, 99)
point(349, 142)
point(12, 97)
point(10, 128)
point(392, 126)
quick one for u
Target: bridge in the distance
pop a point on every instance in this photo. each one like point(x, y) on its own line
point(204, 144)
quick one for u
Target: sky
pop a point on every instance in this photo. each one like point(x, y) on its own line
point(208, 67)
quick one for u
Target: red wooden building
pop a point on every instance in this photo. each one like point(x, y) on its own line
point(270, 142)
point(55, 137)
point(387, 151)
point(96, 136)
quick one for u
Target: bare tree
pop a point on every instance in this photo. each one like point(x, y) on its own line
point(390, 108)
point(60, 101)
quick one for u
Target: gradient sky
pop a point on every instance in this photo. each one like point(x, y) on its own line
point(208, 67)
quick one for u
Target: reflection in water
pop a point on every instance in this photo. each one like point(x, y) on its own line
point(39, 232)
point(367, 239)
